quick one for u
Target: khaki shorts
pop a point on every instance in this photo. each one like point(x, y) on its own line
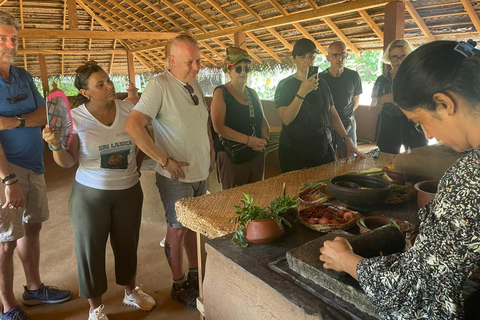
point(35, 211)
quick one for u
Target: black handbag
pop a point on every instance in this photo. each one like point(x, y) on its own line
point(238, 152)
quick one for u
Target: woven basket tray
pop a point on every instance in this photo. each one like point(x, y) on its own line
point(329, 227)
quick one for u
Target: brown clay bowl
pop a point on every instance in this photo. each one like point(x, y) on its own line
point(374, 222)
point(425, 192)
point(370, 192)
point(263, 231)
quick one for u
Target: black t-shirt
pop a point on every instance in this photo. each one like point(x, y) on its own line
point(343, 89)
point(309, 132)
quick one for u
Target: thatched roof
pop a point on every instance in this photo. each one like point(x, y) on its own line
point(66, 33)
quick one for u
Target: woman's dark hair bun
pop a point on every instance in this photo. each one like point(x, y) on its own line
point(436, 67)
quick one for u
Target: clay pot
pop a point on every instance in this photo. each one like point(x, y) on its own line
point(291, 216)
point(374, 222)
point(425, 192)
point(263, 231)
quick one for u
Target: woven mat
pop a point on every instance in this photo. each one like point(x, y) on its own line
point(210, 214)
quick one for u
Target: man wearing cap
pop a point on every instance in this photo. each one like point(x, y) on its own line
point(346, 86)
point(182, 149)
point(305, 107)
point(23, 194)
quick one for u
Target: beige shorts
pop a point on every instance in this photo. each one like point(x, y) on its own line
point(36, 208)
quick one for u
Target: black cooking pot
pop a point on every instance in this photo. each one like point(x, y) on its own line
point(359, 192)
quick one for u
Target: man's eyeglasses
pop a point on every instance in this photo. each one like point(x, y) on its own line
point(86, 66)
point(191, 91)
point(342, 55)
point(20, 97)
point(239, 69)
point(396, 58)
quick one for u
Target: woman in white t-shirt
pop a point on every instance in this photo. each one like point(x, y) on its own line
point(106, 196)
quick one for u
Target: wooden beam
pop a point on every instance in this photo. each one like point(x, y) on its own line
point(68, 52)
point(43, 74)
point(131, 69)
point(224, 12)
point(419, 21)
point(472, 13)
point(203, 14)
point(182, 14)
point(253, 55)
point(371, 23)
point(249, 9)
point(112, 58)
point(341, 35)
point(307, 35)
point(313, 14)
point(143, 62)
point(279, 7)
point(2, 2)
point(264, 47)
point(80, 34)
point(72, 14)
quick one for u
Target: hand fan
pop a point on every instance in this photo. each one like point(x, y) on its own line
point(59, 117)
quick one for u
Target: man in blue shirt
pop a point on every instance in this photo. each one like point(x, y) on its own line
point(23, 193)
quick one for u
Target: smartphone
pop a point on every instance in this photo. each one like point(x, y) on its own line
point(312, 70)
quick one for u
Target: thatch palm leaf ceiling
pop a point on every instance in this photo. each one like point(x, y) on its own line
point(69, 32)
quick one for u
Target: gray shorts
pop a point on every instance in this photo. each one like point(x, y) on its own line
point(172, 191)
point(36, 208)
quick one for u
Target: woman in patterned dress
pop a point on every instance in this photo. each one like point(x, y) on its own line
point(437, 87)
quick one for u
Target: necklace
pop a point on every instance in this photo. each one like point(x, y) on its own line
point(244, 99)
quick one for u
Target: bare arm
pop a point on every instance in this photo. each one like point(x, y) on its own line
point(13, 194)
point(135, 127)
point(356, 101)
point(290, 112)
point(36, 118)
point(65, 158)
point(340, 129)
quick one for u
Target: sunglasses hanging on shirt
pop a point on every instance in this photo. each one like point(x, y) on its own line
point(191, 91)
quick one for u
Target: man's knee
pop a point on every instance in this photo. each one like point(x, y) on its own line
point(7, 249)
point(32, 229)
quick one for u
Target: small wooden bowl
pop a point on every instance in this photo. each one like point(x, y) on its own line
point(374, 222)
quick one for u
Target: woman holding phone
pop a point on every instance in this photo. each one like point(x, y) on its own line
point(305, 108)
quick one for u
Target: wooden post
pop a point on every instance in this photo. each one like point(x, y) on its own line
point(240, 40)
point(131, 69)
point(394, 26)
point(72, 14)
point(43, 74)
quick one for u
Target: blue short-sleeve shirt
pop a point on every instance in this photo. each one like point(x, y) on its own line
point(23, 146)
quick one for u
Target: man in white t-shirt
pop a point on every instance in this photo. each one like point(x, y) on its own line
point(182, 149)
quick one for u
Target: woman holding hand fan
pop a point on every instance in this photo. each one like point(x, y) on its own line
point(106, 196)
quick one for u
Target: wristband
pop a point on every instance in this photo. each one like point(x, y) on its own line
point(9, 184)
point(9, 177)
point(268, 142)
point(248, 139)
point(299, 96)
point(53, 149)
point(164, 167)
point(346, 138)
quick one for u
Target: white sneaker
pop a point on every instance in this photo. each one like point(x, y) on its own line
point(162, 243)
point(139, 299)
point(98, 314)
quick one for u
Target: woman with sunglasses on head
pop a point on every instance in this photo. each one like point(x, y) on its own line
point(437, 87)
point(106, 197)
point(238, 119)
point(306, 108)
point(393, 129)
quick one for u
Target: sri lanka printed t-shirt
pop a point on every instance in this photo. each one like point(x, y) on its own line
point(106, 153)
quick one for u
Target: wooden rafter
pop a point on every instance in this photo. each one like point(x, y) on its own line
point(371, 24)
point(112, 57)
point(2, 2)
point(279, 7)
point(262, 45)
point(90, 39)
point(418, 20)
point(203, 14)
point(249, 9)
point(181, 13)
point(471, 13)
point(82, 34)
point(280, 38)
point(292, 18)
point(307, 35)
point(341, 35)
point(253, 55)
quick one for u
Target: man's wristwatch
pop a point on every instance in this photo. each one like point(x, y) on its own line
point(22, 120)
